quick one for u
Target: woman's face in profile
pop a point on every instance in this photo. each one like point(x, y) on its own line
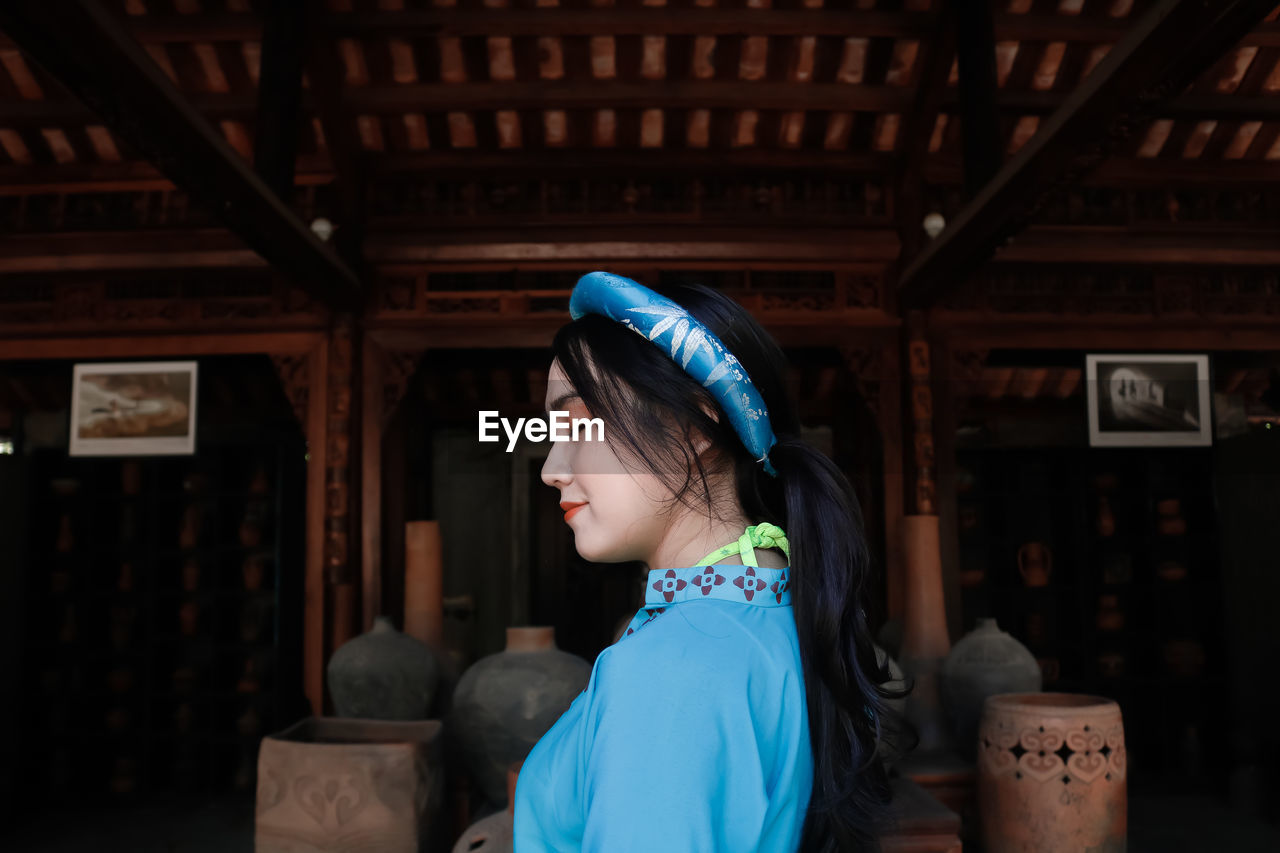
point(623, 512)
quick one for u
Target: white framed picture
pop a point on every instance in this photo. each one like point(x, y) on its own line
point(142, 408)
point(1148, 400)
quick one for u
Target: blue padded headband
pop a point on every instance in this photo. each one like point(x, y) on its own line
point(691, 344)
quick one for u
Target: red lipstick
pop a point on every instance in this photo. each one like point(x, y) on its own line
point(571, 508)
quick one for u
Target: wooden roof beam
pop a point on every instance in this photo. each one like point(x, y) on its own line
point(1172, 43)
point(605, 94)
point(94, 56)
point(1194, 106)
point(538, 95)
point(247, 26)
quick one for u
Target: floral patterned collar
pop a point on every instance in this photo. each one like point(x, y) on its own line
point(755, 585)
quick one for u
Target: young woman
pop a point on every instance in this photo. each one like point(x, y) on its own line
point(740, 710)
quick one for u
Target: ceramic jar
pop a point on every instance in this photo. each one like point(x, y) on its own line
point(505, 702)
point(1183, 658)
point(1035, 564)
point(131, 477)
point(383, 675)
point(1052, 774)
point(1170, 521)
point(1111, 664)
point(189, 534)
point(1110, 616)
point(495, 833)
point(986, 661)
point(1106, 517)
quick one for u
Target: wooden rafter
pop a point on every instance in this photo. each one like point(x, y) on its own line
point(591, 94)
point(516, 96)
point(1165, 50)
point(213, 26)
point(94, 56)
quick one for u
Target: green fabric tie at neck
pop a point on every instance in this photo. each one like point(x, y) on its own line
point(763, 535)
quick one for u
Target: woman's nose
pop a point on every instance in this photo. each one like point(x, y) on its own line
point(555, 470)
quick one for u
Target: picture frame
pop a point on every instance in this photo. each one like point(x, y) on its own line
point(143, 408)
point(1149, 400)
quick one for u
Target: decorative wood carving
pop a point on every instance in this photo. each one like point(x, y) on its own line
point(794, 200)
point(922, 500)
point(866, 366)
point(1083, 292)
point(966, 374)
point(241, 300)
point(338, 452)
point(400, 366)
point(292, 370)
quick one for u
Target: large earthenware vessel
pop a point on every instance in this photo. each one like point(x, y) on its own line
point(351, 786)
point(505, 702)
point(383, 675)
point(986, 661)
point(1051, 774)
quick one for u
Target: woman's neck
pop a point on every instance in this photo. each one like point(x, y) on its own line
point(692, 536)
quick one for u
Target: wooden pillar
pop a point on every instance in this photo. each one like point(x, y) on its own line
point(305, 380)
point(341, 469)
point(385, 376)
point(874, 370)
point(925, 640)
point(321, 386)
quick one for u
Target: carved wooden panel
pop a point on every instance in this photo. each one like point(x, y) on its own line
point(1137, 291)
point(338, 452)
point(292, 370)
point(149, 302)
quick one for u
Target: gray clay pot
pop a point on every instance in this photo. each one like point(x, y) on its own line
point(383, 675)
point(985, 662)
point(505, 702)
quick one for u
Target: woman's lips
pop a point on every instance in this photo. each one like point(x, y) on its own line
point(571, 508)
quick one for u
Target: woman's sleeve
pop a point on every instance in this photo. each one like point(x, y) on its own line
point(672, 761)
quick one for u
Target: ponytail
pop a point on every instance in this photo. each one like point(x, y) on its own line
point(845, 681)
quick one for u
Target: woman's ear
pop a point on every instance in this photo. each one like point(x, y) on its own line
point(700, 441)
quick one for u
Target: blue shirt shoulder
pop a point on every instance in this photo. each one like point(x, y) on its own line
point(693, 729)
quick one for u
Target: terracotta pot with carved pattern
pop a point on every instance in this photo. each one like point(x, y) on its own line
point(332, 785)
point(1051, 774)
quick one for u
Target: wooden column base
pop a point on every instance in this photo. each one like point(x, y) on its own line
point(925, 825)
point(949, 779)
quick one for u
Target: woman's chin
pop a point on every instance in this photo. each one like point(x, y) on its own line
point(594, 553)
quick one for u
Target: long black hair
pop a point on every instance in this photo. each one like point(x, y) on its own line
point(655, 412)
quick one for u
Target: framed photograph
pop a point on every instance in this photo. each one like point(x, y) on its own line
point(1148, 400)
point(144, 408)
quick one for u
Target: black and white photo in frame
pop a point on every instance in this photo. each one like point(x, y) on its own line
point(1148, 400)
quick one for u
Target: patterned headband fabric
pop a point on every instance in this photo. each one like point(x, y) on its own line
point(691, 344)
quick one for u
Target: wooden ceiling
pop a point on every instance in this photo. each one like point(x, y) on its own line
point(712, 84)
